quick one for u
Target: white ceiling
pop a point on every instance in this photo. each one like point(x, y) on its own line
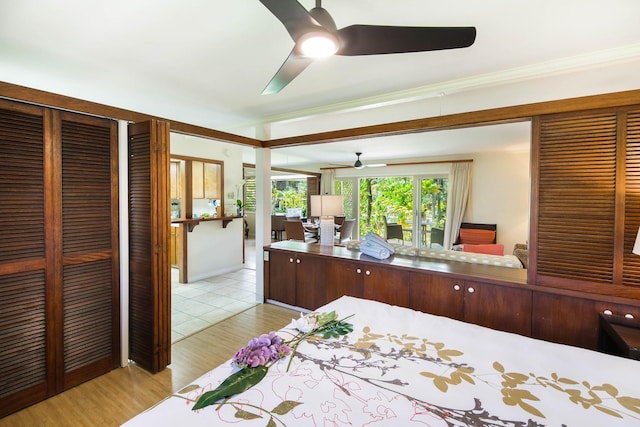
point(205, 62)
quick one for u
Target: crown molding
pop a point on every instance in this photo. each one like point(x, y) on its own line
point(513, 75)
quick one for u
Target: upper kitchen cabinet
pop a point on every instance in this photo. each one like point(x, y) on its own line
point(175, 169)
point(206, 180)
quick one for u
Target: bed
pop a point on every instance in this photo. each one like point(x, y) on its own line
point(401, 367)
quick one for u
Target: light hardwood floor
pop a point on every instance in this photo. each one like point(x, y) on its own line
point(112, 399)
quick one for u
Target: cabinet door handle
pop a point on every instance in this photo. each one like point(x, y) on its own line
point(456, 287)
point(358, 270)
point(629, 316)
point(470, 290)
point(608, 312)
point(290, 259)
point(368, 273)
point(297, 261)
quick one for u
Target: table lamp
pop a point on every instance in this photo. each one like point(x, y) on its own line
point(326, 206)
point(636, 245)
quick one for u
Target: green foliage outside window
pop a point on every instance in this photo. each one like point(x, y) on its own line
point(393, 197)
point(288, 194)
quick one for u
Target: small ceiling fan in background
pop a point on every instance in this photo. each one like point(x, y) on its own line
point(359, 165)
point(315, 35)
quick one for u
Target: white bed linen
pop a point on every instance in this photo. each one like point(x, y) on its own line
point(400, 367)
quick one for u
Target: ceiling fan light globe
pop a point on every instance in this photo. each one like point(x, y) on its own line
point(318, 45)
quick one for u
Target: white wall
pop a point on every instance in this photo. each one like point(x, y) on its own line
point(500, 195)
point(214, 250)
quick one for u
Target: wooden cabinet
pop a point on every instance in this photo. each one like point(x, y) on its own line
point(282, 277)
point(366, 281)
point(343, 278)
point(456, 290)
point(494, 306)
point(572, 320)
point(206, 180)
point(173, 250)
point(499, 307)
point(309, 281)
point(385, 285)
point(437, 295)
point(176, 181)
point(297, 280)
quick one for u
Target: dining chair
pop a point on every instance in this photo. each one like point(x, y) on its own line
point(393, 230)
point(277, 226)
point(345, 232)
point(295, 231)
point(437, 237)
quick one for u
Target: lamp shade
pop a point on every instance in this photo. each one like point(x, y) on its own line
point(636, 246)
point(326, 205)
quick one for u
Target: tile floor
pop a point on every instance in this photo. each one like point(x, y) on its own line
point(198, 305)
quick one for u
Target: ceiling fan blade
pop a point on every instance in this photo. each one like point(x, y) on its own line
point(289, 70)
point(293, 15)
point(380, 39)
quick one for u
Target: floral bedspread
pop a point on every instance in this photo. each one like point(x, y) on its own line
point(400, 367)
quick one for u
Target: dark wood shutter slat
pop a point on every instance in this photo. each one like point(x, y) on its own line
point(21, 186)
point(23, 331)
point(86, 187)
point(577, 197)
point(88, 315)
point(631, 262)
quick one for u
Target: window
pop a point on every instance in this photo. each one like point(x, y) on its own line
point(250, 195)
point(397, 200)
point(288, 193)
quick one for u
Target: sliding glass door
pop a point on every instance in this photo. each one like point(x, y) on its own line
point(428, 220)
point(409, 210)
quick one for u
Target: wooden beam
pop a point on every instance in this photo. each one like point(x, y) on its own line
point(40, 97)
point(493, 116)
point(434, 162)
point(517, 113)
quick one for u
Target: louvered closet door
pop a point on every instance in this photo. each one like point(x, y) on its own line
point(59, 294)
point(90, 309)
point(631, 264)
point(24, 365)
point(576, 188)
point(149, 224)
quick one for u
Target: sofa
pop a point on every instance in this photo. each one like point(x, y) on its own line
point(509, 261)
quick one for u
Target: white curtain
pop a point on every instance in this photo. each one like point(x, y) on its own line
point(459, 187)
point(327, 181)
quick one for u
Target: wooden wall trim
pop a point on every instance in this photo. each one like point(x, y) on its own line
point(49, 99)
point(493, 116)
point(294, 171)
point(474, 118)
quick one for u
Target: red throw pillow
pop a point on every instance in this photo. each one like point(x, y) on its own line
point(477, 237)
point(496, 249)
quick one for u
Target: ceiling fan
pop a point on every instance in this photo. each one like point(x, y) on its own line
point(315, 35)
point(359, 165)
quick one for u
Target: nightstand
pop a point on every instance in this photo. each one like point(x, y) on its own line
point(619, 335)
